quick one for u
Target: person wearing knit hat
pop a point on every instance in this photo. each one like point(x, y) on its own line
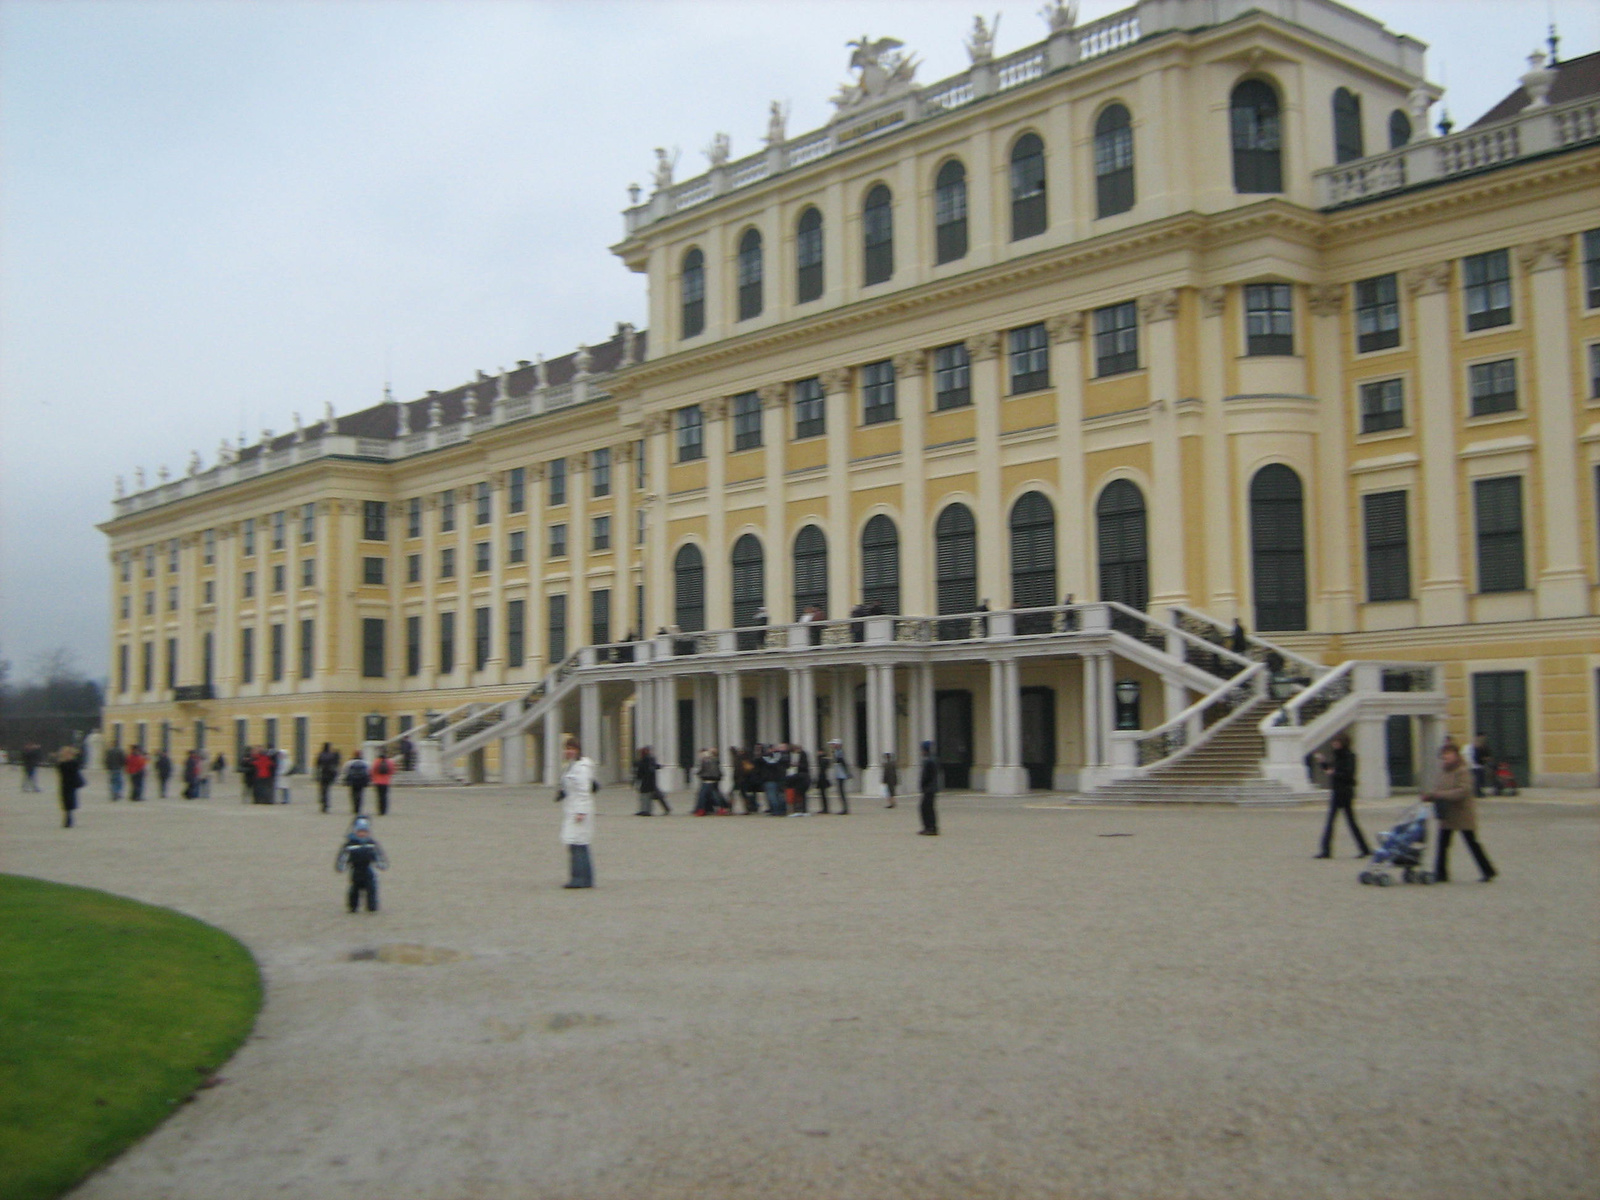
point(928, 784)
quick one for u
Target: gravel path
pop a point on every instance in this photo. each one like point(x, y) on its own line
point(1027, 1006)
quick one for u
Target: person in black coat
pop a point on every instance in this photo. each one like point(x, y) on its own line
point(71, 772)
point(645, 767)
point(799, 782)
point(328, 764)
point(928, 785)
point(1340, 763)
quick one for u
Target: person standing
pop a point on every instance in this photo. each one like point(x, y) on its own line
point(263, 766)
point(194, 770)
point(246, 769)
point(135, 767)
point(838, 771)
point(115, 762)
point(32, 756)
point(645, 768)
point(928, 785)
point(709, 772)
point(356, 777)
point(798, 780)
point(163, 772)
point(282, 768)
point(1238, 640)
point(772, 773)
point(361, 854)
point(577, 814)
point(382, 778)
point(219, 766)
point(327, 771)
point(1340, 764)
point(1457, 811)
point(1480, 758)
point(71, 774)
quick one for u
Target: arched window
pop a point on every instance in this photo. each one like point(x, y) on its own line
point(1124, 551)
point(1278, 548)
point(1399, 130)
point(877, 235)
point(1033, 560)
point(810, 570)
point(955, 537)
point(749, 588)
point(1347, 141)
point(694, 293)
point(1257, 139)
point(880, 564)
point(750, 275)
point(808, 256)
point(1028, 215)
point(950, 212)
point(1113, 162)
point(689, 588)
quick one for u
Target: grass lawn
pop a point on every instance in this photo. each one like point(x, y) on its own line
point(111, 1014)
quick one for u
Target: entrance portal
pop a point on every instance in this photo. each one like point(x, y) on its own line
point(1039, 736)
point(953, 737)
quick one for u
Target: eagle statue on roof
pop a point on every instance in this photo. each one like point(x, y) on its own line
point(884, 71)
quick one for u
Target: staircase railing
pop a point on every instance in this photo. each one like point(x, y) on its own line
point(1192, 728)
point(1215, 633)
point(429, 727)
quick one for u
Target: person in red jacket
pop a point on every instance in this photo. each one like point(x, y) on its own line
point(382, 777)
point(135, 767)
point(264, 767)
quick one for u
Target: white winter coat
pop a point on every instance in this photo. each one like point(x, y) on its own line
point(577, 806)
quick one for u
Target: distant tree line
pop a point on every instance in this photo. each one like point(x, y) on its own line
point(56, 707)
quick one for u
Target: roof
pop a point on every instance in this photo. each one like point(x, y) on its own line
point(1575, 78)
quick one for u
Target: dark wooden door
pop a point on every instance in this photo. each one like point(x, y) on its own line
point(1039, 736)
point(953, 737)
point(1500, 709)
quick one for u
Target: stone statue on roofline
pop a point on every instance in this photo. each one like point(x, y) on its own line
point(1061, 15)
point(720, 150)
point(224, 452)
point(777, 121)
point(138, 479)
point(664, 168)
point(980, 42)
point(162, 473)
point(121, 489)
point(194, 463)
point(403, 421)
point(885, 72)
point(582, 360)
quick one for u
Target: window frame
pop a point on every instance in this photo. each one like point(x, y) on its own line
point(447, 642)
point(1383, 416)
point(751, 274)
point(600, 532)
point(1255, 138)
point(516, 547)
point(1349, 139)
point(1028, 178)
point(557, 542)
point(1028, 358)
point(600, 472)
point(1386, 555)
point(372, 570)
point(556, 479)
point(516, 490)
point(447, 511)
point(1478, 402)
point(950, 212)
point(879, 404)
point(1377, 304)
point(482, 558)
point(1114, 181)
point(1479, 295)
point(809, 256)
point(959, 375)
point(1591, 268)
point(692, 294)
point(1122, 337)
point(810, 411)
point(688, 425)
point(482, 503)
point(877, 235)
point(447, 562)
point(374, 523)
point(1269, 320)
point(747, 421)
point(1492, 545)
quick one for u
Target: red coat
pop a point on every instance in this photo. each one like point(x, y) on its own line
point(136, 764)
point(383, 771)
point(264, 765)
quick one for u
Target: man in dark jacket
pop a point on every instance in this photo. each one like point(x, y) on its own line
point(1340, 763)
point(928, 785)
point(645, 767)
point(115, 760)
point(328, 763)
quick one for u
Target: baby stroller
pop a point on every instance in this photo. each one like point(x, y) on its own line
point(1402, 847)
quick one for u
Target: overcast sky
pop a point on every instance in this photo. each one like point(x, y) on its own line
point(216, 214)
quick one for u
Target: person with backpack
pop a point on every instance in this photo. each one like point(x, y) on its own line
point(382, 777)
point(163, 766)
point(356, 777)
point(327, 771)
point(361, 854)
point(577, 814)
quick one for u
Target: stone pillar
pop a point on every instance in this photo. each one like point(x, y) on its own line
point(719, 589)
point(658, 569)
point(552, 745)
point(910, 373)
point(589, 722)
point(809, 734)
point(1372, 758)
point(1159, 311)
point(536, 650)
point(775, 432)
point(768, 709)
point(1328, 526)
point(1562, 588)
point(671, 775)
point(1221, 570)
point(727, 718)
point(984, 352)
point(1072, 521)
point(924, 725)
point(797, 698)
point(877, 738)
point(1443, 593)
point(514, 758)
point(1006, 776)
point(844, 590)
point(623, 550)
point(579, 622)
point(844, 712)
point(644, 715)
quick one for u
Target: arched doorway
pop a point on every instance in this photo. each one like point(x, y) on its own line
point(880, 564)
point(956, 566)
point(1278, 548)
point(1033, 560)
point(749, 589)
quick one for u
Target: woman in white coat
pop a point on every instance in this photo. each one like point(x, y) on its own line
point(577, 813)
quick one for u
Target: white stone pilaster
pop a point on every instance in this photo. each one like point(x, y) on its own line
point(985, 356)
point(844, 590)
point(1159, 311)
point(910, 372)
point(1443, 594)
point(1328, 526)
point(1221, 570)
point(1072, 522)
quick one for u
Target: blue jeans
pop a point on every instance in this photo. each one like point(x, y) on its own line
point(582, 866)
point(775, 805)
point(116, 785)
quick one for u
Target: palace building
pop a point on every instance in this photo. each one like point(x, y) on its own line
point(978, 415)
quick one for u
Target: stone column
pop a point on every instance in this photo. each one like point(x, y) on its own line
point(1006, 776)
point(1159, 311)
point(1221, 570)
point(536, 650)
point(1372, 758)
point(808, 711)
point(1562, 588)
point(877, 739)
point(768, 709)
point(1328, 526)
point(844, 713)
point(719, 590)
point(552, 745)
point(797, 698)
point(775, 434)
point(910, 373)
point(1072, 521)
point(494, 670)
point(589, 722)
point(667, 752)
point(1443, 594)
point(623, 549)
point(513, 758)
point(658, 569)
point(579, 623)
point(924, 725)
point(727, 718)
point(644, 715)
point(984, 352)
point(843, 590)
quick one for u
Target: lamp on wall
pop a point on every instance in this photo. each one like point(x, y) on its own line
point(1127, 694)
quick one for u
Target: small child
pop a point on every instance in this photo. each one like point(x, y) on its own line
point(361, 853)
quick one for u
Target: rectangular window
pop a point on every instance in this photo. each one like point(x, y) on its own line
point(640, 466)
point(600, 617)
point(208, 549)
point(1268, 318)
point(516, 632)
point(480, 557)
point(247, 656)
point(447, 642)
point(517, 546)
point(1116, 339)
point(374, 521)
point(1382, 406)
point(372, 637)
point(122, 671)
point(372, 570)
point(480, 638)
point(482, 504)
point(172, 557)
point(207, 659)
point(209, 591)
point(1594, 371)
point(125, 568)
point(172, 663)
point(308, 644)
point(746, 421)
point(1388, 540)
point(247, 540)
point(414, 517)
point(308, 572)
point(447, 510)
point(278, 522)
point(278, 579)
point(150, 603)
point(516, 489)
point(638, 527)
point(1591, 268)
point(148, 674)
point(558, 540)
point(447, 563)
point(602, 533)
point(1487, 278)
point(125, 607)
point(810, 409)
point(1493, 387)
point(600, 472)
point(413, 645)
point(558, 628)
point(149, 562)
point(952, 377)
point(877, 392)
point(172, 599)
point(249, 585)
point(413, 568)
point(275, 652)
point(557, 474)
point(1030, 359)
point(1497, 504)
point(308, 524)
point(691, 434)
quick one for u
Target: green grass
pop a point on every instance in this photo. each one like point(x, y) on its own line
point(111, 1014)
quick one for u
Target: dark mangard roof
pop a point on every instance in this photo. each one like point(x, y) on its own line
point(383, 420)
point(1575, 78)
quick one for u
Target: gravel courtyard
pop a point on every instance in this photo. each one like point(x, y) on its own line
point(1047, 1001)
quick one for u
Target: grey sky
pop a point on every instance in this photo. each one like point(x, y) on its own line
point(216, 214)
